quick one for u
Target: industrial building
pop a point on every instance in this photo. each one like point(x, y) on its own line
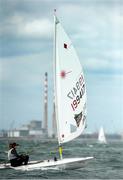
point(36, 127)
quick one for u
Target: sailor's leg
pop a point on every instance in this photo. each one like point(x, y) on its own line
point(25, 159)
point(16, 162)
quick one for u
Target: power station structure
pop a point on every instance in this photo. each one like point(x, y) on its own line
point(45, 120)
point(36, 128)
point(46, 104)
point(54, 132)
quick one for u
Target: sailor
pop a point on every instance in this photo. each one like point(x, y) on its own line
point(14, 158)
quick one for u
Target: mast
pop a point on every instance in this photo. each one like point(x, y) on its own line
point(54, 64)
point(54, 68)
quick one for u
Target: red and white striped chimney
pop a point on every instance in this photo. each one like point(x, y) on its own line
point(46, 103)
point(54, 119)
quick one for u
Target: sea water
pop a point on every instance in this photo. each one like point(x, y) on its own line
point(107, 162)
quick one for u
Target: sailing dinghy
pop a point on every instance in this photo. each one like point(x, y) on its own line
point(70, 101)
point(101, 136)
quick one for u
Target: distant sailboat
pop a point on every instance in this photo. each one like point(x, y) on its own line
point(101, 136)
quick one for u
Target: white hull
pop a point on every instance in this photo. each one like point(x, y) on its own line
point(67, 163)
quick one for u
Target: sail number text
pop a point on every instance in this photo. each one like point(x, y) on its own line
point(76, 93)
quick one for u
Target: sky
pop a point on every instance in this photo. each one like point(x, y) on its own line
point(26, 53)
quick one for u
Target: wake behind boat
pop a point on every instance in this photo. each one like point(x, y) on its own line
point(70, 101)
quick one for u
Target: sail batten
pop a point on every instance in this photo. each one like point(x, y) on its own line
point(70, 88)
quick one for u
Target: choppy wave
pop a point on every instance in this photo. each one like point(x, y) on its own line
point(107, 162)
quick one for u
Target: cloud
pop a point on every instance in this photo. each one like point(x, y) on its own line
point(94, 22)
point(95, 32)
point(1, 70)
point(24, 71)
point(96, 64)
point(26, 27)
point(108, 63)
point(37, 28)
point(19, 27)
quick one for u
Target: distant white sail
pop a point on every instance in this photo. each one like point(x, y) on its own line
point(101, 136)
point(69, 87)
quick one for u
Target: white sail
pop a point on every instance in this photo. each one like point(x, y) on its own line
point(101, 137)
point(69, 88)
